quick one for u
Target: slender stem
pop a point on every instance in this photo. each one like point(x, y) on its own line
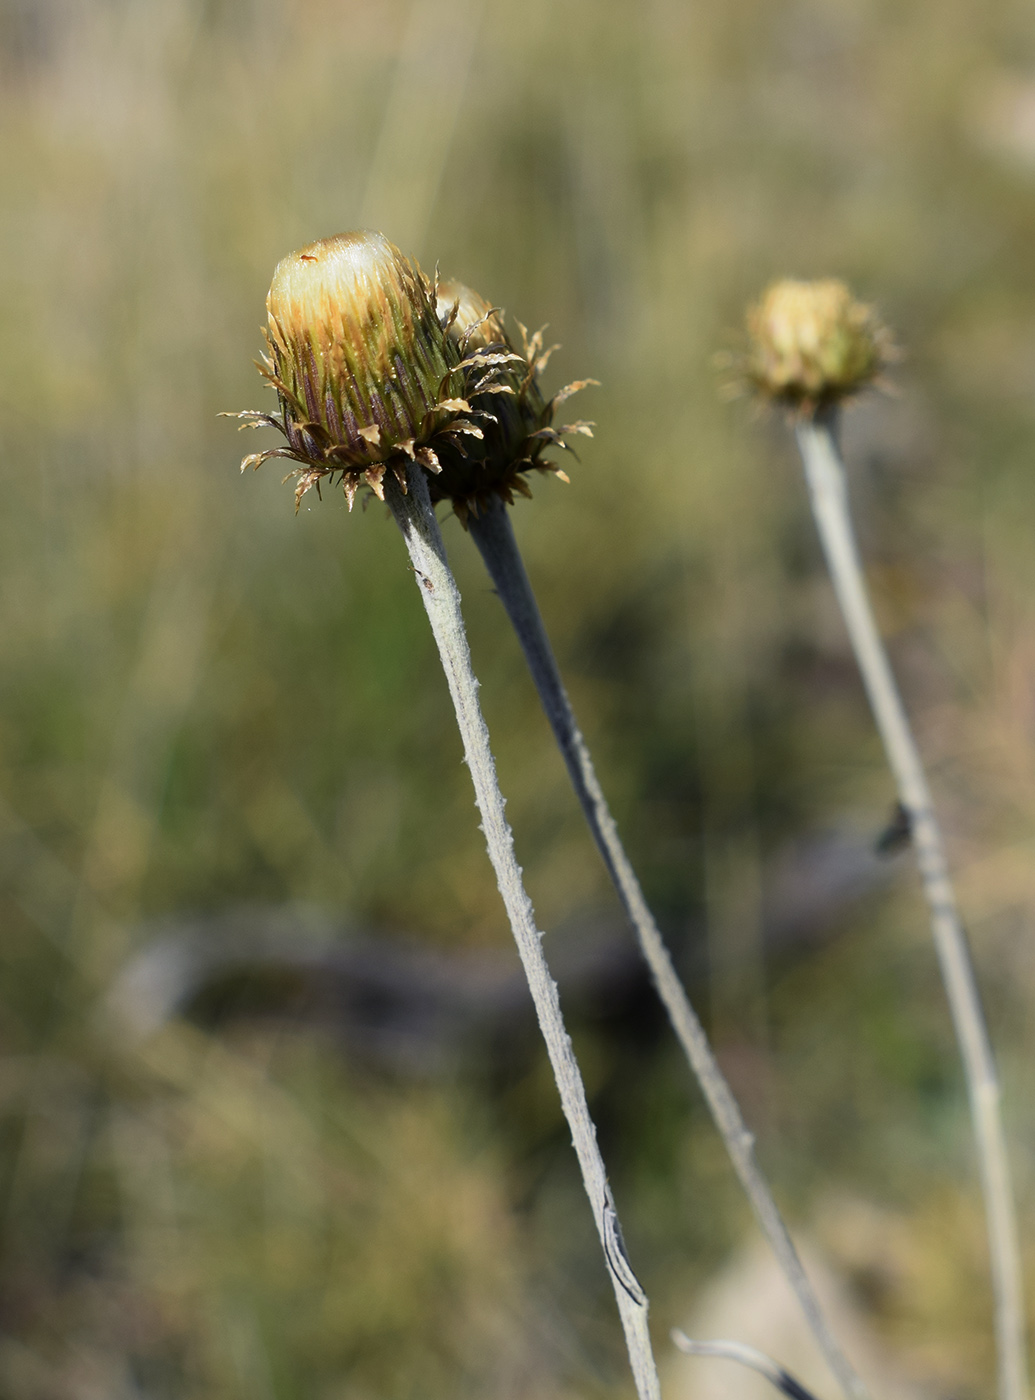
point(828, 490)
point(416, 519)
point(494, 536)
point(746, 1356)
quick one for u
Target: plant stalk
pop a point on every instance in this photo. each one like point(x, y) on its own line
point(825, 474)
point(755, 1360)
point(416, 519)
point(494, 536)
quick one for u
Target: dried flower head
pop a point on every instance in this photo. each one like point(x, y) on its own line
point(516, 419)
point(366, 377)
point(813, 344)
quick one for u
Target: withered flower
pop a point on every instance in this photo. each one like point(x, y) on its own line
point(813, 344)
point(366, 377)
point(517, 421)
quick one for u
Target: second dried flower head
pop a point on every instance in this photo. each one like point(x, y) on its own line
point(518, 422)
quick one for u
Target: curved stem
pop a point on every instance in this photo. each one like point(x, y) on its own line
point(755, 1360)
point(416, 519)
point(824, 472)
point(494, 537)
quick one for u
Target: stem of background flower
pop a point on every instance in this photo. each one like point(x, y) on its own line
point(825, 474)
point(494, 536)
point(416, 519)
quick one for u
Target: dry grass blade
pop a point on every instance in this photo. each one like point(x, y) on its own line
point(755, 1360)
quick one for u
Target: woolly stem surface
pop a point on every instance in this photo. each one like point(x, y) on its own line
point(494, 536)
point(825, 474)
point(416, 519)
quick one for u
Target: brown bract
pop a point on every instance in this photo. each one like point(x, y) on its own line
point(517, 421)
point(813, 344)
point(367, 380)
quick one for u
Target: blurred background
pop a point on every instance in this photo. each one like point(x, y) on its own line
point(274, 1121)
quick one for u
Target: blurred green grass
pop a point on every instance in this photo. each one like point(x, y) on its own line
point(205, 701)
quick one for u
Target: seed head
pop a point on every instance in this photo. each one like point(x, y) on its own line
point(812, 344)
point(366, 378)
point(517, 421)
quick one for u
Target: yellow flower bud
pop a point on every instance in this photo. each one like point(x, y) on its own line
point(812, 344)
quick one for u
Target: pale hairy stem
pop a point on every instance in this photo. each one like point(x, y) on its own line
point(825, 474)
point(416, 519)
point(494, 536)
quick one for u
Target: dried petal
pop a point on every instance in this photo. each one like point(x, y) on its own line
point(569, 389)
